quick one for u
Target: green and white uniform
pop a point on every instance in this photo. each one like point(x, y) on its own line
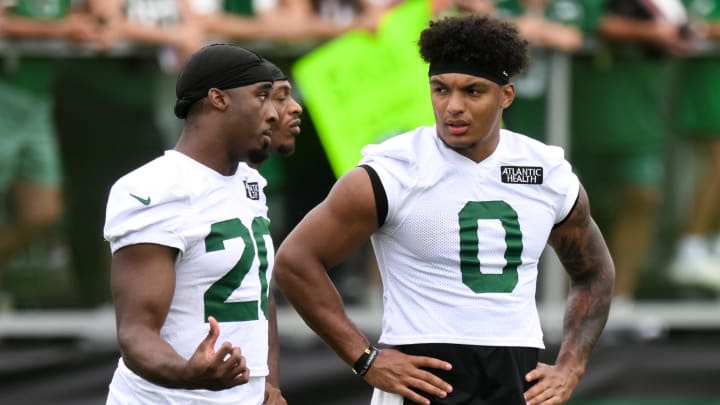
point(219, 225)
point(460, 246)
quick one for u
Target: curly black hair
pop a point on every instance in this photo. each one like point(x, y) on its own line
point(490, 43)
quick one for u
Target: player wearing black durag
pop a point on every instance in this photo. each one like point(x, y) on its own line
point(192, 254)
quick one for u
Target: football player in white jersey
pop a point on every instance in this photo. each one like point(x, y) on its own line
point(192, 255)
point(283, 143)
point(458, 215)
point(289, 111)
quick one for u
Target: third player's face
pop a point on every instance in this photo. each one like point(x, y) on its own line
point(468, 110)
point(288, 125)
point(253, 118)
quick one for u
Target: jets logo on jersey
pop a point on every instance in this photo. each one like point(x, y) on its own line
point(521, 174)
point(252, 190)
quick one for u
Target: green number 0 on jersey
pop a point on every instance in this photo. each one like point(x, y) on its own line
point(220, 291)
point(469, 246)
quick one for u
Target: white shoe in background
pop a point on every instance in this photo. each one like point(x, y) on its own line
point(694, 265)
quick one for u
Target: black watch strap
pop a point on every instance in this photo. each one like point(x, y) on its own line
point(366, 359)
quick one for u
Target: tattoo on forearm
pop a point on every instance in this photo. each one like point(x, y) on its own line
point(584, 254)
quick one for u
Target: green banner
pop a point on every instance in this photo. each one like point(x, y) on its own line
point(362, 88)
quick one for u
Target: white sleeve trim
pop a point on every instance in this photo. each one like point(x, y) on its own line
point(571, 196)
point(148, 236)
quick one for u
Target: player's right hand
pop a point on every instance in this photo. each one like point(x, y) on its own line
point(216, 370)
point(399, 373)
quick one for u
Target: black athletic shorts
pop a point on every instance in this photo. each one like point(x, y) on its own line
point(481, 375)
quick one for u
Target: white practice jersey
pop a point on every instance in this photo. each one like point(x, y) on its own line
point(220, 227)
point(459, 250)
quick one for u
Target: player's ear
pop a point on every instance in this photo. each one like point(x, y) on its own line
point(508, 94)
point(219, 99)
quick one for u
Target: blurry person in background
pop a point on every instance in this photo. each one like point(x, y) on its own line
point(109, 121)
point(549, 26)
point(30, 167)
point(696, 119)
point(192, 258)
point(283, 145)
point(545, 23)
point(458, 214)
point(172, 29)
point(31, 175)
point(292, 20)
point(477, 7)
point(619, 123)
point(289, 111)
point(170, 23)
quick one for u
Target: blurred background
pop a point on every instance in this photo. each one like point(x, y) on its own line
point(630, 89)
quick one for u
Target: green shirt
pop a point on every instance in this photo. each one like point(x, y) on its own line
point(41, 9)
point(618, 94)
point(35, 74)
point(239, 7)
point(696, 108)
point(527, 114)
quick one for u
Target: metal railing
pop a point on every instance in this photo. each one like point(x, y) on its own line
point(647, 318)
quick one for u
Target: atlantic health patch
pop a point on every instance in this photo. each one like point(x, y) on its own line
point(521, 174)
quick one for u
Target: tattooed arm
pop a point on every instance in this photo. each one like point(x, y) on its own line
point(585, 256)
